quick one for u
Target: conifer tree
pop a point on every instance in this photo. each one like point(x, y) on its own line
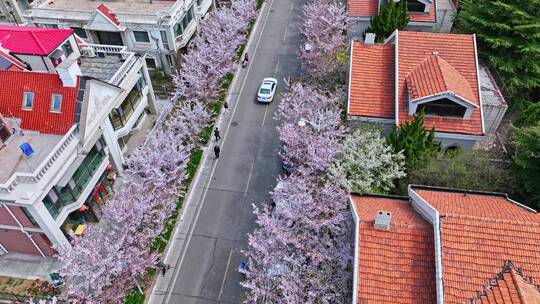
point(392, 16)
point(508, 36)
point(413, 140)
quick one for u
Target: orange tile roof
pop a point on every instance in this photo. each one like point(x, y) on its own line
point(433, 76)
point(362, 8)
point(479, 233)
point(423, 17)
point(372, 82)
point(372, 87)
point(458, 51)
point(509, 286)
point(396, 265)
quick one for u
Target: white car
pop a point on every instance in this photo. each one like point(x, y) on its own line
point(267, 90)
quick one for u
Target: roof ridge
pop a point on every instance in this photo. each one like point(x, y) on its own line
point(37, 41)
point(488, 219)
point(438, 61)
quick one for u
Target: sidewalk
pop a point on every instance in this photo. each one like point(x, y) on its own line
point(28, 267)
point(177, 246)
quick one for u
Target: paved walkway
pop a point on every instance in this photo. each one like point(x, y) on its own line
point(205, 249)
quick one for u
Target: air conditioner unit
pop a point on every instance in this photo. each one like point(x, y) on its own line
point(88, 52)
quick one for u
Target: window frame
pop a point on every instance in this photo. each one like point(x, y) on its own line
point(146, 40)
point(154, 60)
point(24, 106)
point(52, 109)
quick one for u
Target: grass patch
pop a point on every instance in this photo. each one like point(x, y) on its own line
point(226, 81)
point(204, 136)
point(259, 4)
point(134, 297)
point(194, 161)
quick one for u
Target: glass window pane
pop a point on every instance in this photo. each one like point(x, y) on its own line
point(56, 102)
point(80, 32)
point(141, 36)
point(28, 100)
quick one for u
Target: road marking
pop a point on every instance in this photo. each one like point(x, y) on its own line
point(292, 6)
point(225, 275)
point(264, 117)
point(249, 177)
point(277, 66)
point(285, 33)
point(194, 221)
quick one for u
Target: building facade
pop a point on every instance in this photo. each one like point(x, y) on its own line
point(162, 29)
point(64, 124)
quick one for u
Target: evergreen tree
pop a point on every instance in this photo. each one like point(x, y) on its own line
point(508, 36)
point(527, 161)
point(392, 16)
point(414, 140)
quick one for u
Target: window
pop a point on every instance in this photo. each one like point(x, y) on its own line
point(80, 32)
point(119, 117)
point(164, 40)
point(415, 6)
point(141, 36)
point(150, 63)
point(66, 47)
point(183, 24)
point(170, 60)
point(443, 107)
point(28, 100)
point(53, 26)
point(56, 102)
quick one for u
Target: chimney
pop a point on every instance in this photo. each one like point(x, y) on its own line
point(68, 71)
point(370, 38)
point(382, 220)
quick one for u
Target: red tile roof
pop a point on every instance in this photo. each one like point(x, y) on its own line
point(433, 76)
point(43, 85)
point(108, 14)
point(372, 87)
point(479, 233)
point(396, 265)
point(15, 64)
point(362, 8)
point(459, 52)
point(423, 17)
point(32, 40)
point(509, 286)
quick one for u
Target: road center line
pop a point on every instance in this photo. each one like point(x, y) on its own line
point(225, 275)
point(249, 177)
point(285, 33)
point(276, 68)
point(264, 117)
point(195, 220)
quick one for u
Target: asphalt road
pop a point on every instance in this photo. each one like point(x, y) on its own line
point(245, 171)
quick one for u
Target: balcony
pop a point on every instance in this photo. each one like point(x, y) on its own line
point(34, 168)
point(60, 197)
point(109, 63)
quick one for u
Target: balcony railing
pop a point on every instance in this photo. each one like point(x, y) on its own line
point(49, 161)
point(129, 59)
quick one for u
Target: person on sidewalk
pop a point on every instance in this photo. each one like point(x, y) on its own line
point(226, 106)
point(163, 267)
point(246, 60)
point(217, 150)
point(216, 134)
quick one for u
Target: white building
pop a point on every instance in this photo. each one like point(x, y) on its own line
point(76, 112)
point(159, 28)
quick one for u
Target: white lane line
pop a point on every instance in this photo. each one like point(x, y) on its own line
point(249, 177)
point(194, 222)
point(277, 66)
point(285, 33)
point(225, 275)
point(264, 117)
point(292, 6)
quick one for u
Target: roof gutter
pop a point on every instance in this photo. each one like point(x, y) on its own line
point(431, 215)
point(350, 77)
point(478, 83)
point(396, 84)
point(356, 251)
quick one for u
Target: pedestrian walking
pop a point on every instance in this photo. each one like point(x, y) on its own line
point(163, 267)
point(217, 150)
point(216, 134)
point(246, 60)
point(226, 106)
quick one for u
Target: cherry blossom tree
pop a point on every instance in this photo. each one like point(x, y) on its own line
point(324, 26)
point(367, 163)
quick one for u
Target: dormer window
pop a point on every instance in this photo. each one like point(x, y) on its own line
point(415, 6)
point(442, 107)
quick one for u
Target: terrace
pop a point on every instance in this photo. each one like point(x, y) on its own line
point(106, 62)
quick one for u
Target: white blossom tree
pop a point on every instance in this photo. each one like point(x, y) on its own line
point(367, 163)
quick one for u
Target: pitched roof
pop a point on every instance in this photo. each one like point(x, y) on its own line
point(8, 62)
point(434, 76)
point(479, 233)
point(32, 40)
point(424, 17)
point(362, 8)
point(43, 85)
point(457, 50)
point(108, 14)
point(509, 286)
point(371, 87)
point(396, 265)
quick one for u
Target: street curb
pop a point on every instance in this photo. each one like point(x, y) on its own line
point(189, 209)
